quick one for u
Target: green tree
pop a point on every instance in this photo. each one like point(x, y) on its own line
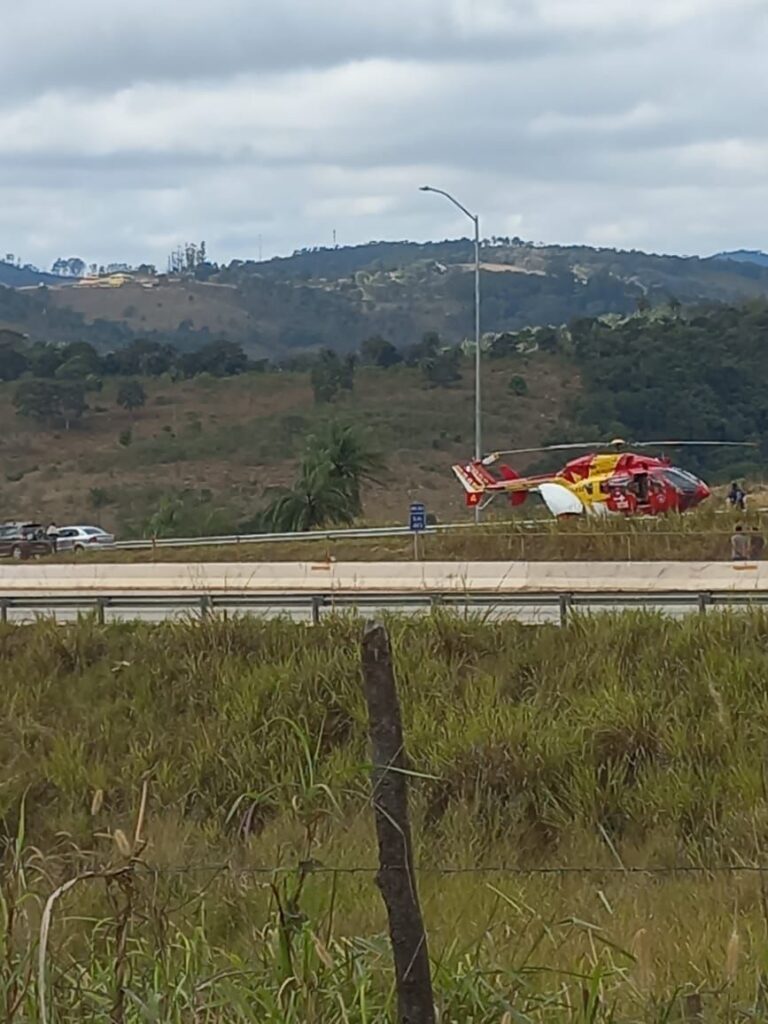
point(427, 348)
point(76, 368)
point(315, 500)
point(72, 266)
point(518, 385)
point(547, 339)
point(162, 522)
point(84, 351)
point(131, 395)
point(331, 374)
point(701, 375)
point(13, 363)
point(504, 344)
point(44, 359)
point(336, 463)
point(100, 497)
point(72, 403)
point(141, 356)
point(49, 401)
point(37, 399)
point(219, 358)
point(442, 369)
point(80, 362)
point(377, 351)
point(343, 452)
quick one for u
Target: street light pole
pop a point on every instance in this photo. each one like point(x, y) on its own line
point(478, 404)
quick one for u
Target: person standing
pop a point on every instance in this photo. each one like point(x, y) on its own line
point(756, 544)
point(740, 544)
point(52, 534)
point(736, 497)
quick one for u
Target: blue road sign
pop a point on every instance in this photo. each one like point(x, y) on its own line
point(417, 519)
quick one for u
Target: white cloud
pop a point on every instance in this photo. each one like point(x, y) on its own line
point(642, 115)
point(124, 127)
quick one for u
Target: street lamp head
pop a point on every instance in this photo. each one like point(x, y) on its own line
point(425, 188)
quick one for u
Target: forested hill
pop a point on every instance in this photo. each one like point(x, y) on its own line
point(745, 256)
point(203, 434)
point(400, 289)
point(397, 290)
point(13, 276)
point(675, 375)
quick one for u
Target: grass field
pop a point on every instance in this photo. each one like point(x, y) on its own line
point(588, 806)
point(700, 536)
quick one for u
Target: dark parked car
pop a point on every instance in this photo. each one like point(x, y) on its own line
point(23, 540)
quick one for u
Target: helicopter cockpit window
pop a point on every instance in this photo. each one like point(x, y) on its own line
point(684, 482)
point(618, 483)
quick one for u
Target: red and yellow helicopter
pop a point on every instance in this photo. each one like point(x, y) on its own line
point(607, 480)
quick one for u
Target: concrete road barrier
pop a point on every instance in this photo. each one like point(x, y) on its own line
point(382, 577)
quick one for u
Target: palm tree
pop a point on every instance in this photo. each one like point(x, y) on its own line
point(164, 519)
point(315, 500)
point(348, 461)
point(336, 462)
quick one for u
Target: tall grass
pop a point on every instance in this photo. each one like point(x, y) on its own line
point(577, 794)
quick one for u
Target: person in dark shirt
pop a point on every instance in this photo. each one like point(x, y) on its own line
point(736, 497)
point(756, 544)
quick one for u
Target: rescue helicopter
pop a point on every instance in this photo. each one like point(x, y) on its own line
point(607, 480)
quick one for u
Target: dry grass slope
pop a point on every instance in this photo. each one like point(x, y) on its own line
point(235, 437)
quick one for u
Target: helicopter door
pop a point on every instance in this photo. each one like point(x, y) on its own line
point(620, 497)
point(659, 499)
point(640, 487)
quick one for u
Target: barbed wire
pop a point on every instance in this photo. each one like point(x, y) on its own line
point(318, 868)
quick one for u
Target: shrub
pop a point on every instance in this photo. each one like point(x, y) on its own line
point(100, 497)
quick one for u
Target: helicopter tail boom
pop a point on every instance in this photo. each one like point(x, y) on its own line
point(516, 498)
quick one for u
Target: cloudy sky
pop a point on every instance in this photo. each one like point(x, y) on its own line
point(129, 127)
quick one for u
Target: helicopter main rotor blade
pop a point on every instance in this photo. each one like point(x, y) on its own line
point(615, 444)
point(493, 456)
point(697, 444)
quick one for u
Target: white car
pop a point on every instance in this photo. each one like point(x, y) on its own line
point(82, 538)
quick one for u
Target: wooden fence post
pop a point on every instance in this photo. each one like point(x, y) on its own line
point(693, 1007)
point(395, 878)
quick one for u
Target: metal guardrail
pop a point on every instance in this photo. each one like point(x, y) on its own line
point(314, 605)
point(349, 533)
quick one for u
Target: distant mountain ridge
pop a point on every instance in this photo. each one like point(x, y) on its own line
point(337, 297)
point(25, 277)
point(745, 256)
